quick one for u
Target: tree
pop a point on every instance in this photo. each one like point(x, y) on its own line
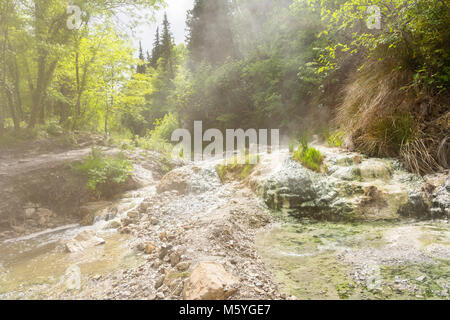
point(156, 52)
point(141, 68)
point(210, 37)
point(167, 45)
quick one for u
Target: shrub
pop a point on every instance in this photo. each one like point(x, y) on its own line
point(310, 157)
point(104, 173)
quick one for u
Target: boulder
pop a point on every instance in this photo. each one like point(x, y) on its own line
point(353, 188)
point(85, 239)
point(209, 281)
point(440, 200)
point(189, 179)
point(89, 211)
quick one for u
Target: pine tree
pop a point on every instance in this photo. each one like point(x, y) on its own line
point(167, 45)
point(141, 68)
point(210, 36)
point(156, 52)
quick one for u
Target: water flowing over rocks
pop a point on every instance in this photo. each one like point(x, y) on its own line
point(185, 234)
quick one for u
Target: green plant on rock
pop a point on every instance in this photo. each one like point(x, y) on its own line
point(310, 157)
point(237, 168)
point(104, 172)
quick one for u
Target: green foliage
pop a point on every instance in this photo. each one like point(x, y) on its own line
point(165, 127)
point(237, 168)
point(310, 157)
point(104, 172)
point(336, 139)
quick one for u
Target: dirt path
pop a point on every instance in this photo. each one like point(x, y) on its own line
point(13, 167)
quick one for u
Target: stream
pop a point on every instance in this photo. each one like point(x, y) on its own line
point(307, 259)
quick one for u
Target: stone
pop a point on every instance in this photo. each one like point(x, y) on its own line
point(177, 179)
point(159, 282)
point(183, 266)
point(93, 207)
point(114, 225)
point(353, 188)
point(209, 281)
point(149, 248)
point(84, 240)
point(163, 251)
point(30, 212)
point(440, 200)
point(175, 258)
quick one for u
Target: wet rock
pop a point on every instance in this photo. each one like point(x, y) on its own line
point(440, 200)
point(89, 210)
point(114, 225)
point(84, 240)
point(125, 230)
point(209, 281)
point(353, 188)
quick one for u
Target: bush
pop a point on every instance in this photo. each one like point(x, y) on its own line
point(164, 127)
point(310, 157)
point(104, 173)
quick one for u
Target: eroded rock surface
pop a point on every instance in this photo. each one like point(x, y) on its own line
point(352, 188)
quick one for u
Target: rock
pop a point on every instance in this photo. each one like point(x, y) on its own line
point(175, 258)
point(133, 215)
point(183, 266)
point(189, 179)
point(177, 179)
point(159, 282)
point(440, 200)
point(149, 248)
point(153, 221)
point(125, 230)
point(421, 278)
point(353, 188)
point(84, 240)
point(19, 229)
point(44, 216)
point(126, 221)
point(89, 211)
point(209, 281)
point(163, 251)
point(114, 225)
point(30, 212)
